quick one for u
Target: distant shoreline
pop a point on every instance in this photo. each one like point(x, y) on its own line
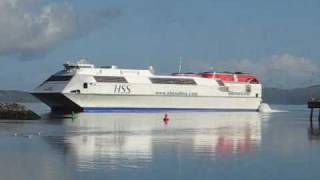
point(298, 96)
point(15, 96)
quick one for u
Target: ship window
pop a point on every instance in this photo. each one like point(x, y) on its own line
point(221, 83)
point(77, 91)
point(173, 81)
point(85, 85)
point(59, 78)
point(110, 79)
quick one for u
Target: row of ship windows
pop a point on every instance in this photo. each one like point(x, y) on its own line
point(59, 78)
point(119, 79)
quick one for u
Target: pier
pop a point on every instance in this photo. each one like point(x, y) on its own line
point(312, 105)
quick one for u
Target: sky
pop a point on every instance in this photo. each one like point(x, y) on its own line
point(276, 39)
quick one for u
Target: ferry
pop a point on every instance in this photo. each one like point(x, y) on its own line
point(83, 87)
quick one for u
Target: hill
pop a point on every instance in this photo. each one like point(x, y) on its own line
point(290, 96)
point(16, 96)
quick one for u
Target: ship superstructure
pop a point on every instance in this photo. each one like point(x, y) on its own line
point(83, 87)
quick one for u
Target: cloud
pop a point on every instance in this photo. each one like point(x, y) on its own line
point(33, 27)
point(280, 70)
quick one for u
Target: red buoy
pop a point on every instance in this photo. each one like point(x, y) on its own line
point(166, 119)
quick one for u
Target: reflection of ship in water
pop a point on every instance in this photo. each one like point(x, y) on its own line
point(112, 150)
point(235, 134)
point(134, 140)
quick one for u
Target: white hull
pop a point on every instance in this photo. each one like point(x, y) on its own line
point(119, 102)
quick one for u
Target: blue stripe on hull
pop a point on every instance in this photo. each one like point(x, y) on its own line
point(124, 109)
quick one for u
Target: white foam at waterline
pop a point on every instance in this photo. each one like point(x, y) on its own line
point(265, 108)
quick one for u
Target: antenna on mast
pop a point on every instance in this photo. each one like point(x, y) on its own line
point(180, 64)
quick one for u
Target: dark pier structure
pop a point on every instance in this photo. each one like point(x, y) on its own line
point(312, 105)
point(14, 111)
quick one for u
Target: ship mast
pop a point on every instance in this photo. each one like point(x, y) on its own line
point(180, 64)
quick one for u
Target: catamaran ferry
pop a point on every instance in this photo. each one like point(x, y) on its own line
point(83, 87)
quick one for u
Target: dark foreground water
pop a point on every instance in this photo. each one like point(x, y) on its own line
point(141, 146)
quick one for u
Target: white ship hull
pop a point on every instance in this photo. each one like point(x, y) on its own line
point(140, 102)
point(86, 88)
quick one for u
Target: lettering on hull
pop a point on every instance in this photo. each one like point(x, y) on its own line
point(177, 93)
point(122, 89)
point(238, 93)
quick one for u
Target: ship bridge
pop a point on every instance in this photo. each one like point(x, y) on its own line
point(83, 63)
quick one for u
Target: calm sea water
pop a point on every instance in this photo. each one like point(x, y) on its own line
point(215, 145)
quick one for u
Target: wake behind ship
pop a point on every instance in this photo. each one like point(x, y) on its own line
point(83, 87)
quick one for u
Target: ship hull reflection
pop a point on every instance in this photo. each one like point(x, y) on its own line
point(135, 139)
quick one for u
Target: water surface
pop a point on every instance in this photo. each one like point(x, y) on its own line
point(206, 145)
